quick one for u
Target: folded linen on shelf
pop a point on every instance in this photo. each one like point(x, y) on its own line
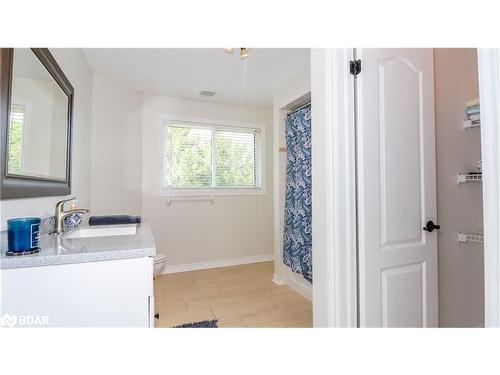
point(472, 103)
point(472, 110)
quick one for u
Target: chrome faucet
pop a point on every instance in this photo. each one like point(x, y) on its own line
point(61, 214)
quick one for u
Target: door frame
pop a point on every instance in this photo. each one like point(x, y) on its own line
point(489, 92)
point(333, 189)
point(334, 156)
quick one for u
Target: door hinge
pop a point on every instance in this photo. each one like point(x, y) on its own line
point(355, 67)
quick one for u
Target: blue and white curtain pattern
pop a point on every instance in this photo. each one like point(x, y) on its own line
point(297, 235)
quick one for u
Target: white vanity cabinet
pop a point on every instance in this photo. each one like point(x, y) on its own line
point(112, 293)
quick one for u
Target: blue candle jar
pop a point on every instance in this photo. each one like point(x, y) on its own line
point(23, 234)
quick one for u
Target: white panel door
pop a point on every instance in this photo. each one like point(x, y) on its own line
point(396, 188)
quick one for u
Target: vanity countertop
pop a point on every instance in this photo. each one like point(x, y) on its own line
point(57, 250)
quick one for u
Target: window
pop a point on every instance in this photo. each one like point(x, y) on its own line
point(206, 157)
point(15, 137)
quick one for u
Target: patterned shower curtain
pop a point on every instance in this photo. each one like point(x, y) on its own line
point(297, 252)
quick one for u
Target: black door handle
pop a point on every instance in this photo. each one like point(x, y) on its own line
point(430, 226)
point(157, 316)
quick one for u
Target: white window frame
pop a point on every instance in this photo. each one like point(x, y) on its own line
point(213, 191)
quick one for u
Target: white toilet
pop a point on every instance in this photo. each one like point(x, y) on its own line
point(158, 263)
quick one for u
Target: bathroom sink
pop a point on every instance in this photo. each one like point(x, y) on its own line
point(123, 230)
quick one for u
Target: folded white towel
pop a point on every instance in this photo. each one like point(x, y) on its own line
point(472, 103)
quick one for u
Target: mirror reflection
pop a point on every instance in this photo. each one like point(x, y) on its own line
point(38, 123)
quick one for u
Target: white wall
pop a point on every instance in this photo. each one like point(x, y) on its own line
point(116, 160)
point(44, 126)
point(37, 125)
point(461, 270)
point(192, 232)
point(294, 91)
point(74, 65)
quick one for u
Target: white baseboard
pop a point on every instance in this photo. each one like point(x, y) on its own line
point(302, 287)
point(278, 280)
point(217, 263)
point(294, 281)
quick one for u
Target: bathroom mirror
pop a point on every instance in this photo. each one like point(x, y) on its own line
point(36, 108)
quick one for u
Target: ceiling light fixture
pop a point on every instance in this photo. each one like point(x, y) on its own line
point(243, 53)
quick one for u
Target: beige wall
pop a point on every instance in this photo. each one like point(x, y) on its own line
point(60, 115)
point(461, 289)
point(191, 232)
point(126, 175)
point(116, 182)
point(74, 65)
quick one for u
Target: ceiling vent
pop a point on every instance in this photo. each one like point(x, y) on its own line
point(207, 93)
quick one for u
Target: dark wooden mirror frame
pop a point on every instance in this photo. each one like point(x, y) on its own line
point(14, 186)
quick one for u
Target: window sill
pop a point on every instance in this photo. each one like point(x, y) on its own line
point(211, 192)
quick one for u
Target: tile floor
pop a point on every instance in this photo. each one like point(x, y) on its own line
point(238, 296)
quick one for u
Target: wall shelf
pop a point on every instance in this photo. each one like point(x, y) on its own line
point(471, 124)
point(469, 177)
point(470, 237)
